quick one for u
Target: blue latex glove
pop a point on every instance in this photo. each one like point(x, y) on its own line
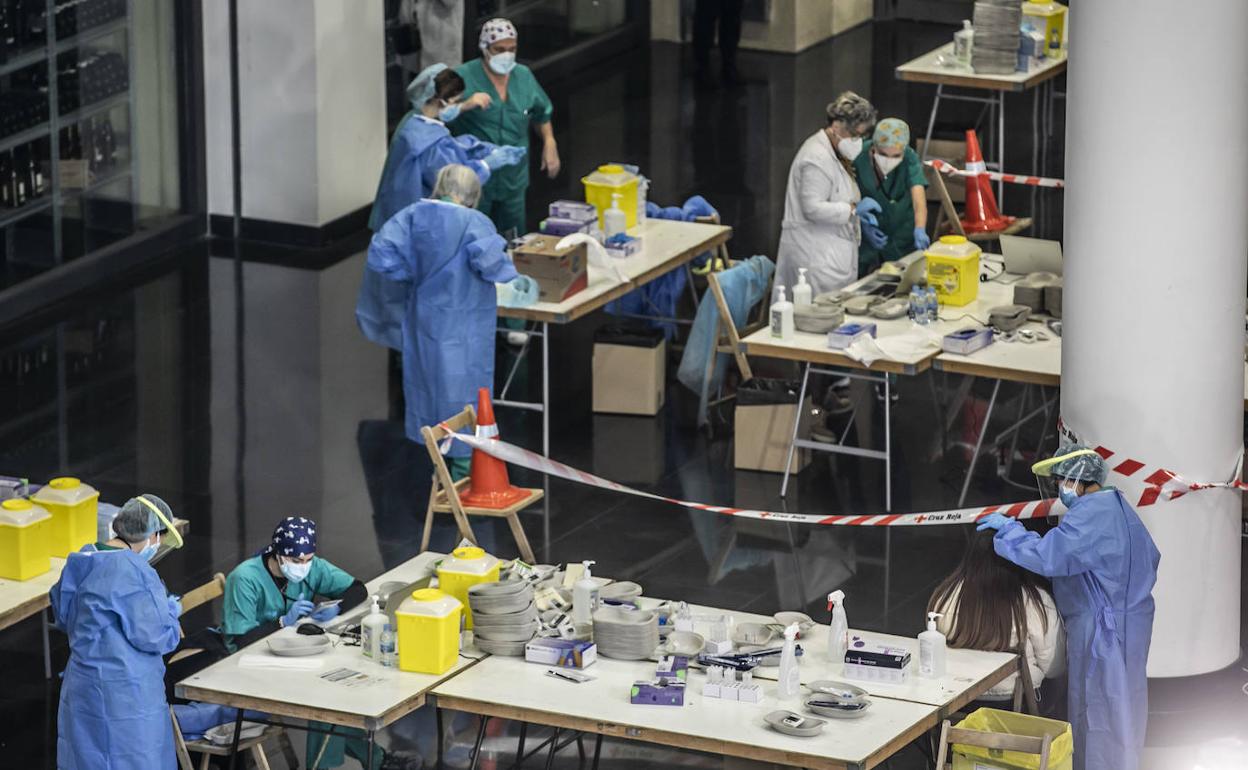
point(297, 610)
point(327, 613)
point(865, 208)
point(921, 239)
point(504, 155)
point(874, 235)
point(993, 521)
point(175, 605)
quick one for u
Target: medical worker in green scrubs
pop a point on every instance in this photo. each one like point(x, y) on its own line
point(516, 102)
point(277, 588)
point(890, 173)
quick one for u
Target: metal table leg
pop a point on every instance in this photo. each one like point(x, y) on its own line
point(1001, 147)
point(47, 643)
point(238, 731)
point(979, 443)
point(797, 424)
point(476, 749)
point(888, 446)
point(524, 729)
point(545, 389)
point(438, 715)
point(372, 748)
point(931, 120)
point(597, 751)
point(554, 746)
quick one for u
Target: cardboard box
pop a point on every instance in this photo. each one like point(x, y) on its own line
point(762, 436)
point(630, 371)
point(559, 273)
point(566, 653)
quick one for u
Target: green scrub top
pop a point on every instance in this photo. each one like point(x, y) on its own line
point(504, 122)
point(252, 598)
point(893, 195)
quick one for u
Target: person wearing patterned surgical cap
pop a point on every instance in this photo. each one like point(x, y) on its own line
point(517, 106)
point(890, 173)
point(278, 587)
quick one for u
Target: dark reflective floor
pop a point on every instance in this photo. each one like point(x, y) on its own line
point(241, 392)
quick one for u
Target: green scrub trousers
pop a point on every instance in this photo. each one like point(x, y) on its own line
point(504, 123)
point(897, 215)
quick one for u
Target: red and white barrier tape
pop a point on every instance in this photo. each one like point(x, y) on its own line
point(514, 455)
point(1160, 484)
point(1031, 181)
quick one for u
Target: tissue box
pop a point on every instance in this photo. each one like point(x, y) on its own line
point(844, 335)
point(664, 693)
point(578, 211)
point(878, 656)
point(966, 341)
point(560, 226)
point(559, 273)
point(622, 245)
point(566, 653)
point(672, 668)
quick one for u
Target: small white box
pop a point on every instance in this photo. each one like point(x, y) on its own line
point(730, 691)
point(844, 335)
point(750, 693)
point(877, 673)
point(722, 647)
point(711, 690)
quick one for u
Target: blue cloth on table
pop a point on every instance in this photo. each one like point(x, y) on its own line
point(197, 718)
point(743, 284)
point(659, 297)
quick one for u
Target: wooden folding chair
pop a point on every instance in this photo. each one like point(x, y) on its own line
point(720, 260)
point(992, 741)
point(948, 221)
point(196, 597)
point(444, 496)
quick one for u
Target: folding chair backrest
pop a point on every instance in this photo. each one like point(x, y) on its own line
point(1025, 744)
point(213, 589)
point(946, 204)
point(721, 251)
point(179, 743)
point(728, 328)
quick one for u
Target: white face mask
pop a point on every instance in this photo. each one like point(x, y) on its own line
point(886, 164)
point(849, 148)
point(294, 571)
point(503, 63)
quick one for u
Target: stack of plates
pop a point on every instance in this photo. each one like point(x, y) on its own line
point(997, 25)
point(626, 634)
point(504, 617)
point(837, 700)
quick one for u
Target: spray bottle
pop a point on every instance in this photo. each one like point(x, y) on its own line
point(790, 681)
point(613, 220)
point(932, 650)
point(838, 633)
point(371, 628)
point(584, 596)
point(802, 292)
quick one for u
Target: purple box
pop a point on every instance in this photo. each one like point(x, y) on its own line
point(561, 227)
point(665, 693)
point(578, 211)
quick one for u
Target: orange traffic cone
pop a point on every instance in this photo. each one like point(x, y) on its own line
point(981, 205)
point(490, 487)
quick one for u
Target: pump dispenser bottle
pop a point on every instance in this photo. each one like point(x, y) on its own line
point(782, 317)
point(371, 629)
point(932, 650)
point(613, 220)
point(802, 292)
point(584, 596)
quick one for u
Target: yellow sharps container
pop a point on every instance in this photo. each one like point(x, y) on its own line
point(23, 540)
point(73, 506)
point(467, 567)
point(953, 270)
point(609, 180)
point(428, 633)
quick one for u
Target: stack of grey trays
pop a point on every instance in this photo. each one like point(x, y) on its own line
point(626, 634)
point(504, 617)
point(997, 24)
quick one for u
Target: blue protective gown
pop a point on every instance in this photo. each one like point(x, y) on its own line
point(420, 149)
point(1103, 564)
point(449, 257)
point(113, 714)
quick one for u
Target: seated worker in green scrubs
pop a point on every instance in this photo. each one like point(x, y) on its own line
point(516, 102)
point(277, 588)
point(890, 173)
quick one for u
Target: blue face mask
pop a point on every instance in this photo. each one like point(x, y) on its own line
point(503, 63)
point(448, 113)
point(149, 551)
point(1067, 495)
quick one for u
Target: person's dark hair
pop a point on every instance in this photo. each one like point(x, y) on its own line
point(992, 596)
point(447, 84)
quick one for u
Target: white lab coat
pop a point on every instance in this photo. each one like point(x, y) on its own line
point(820, 230)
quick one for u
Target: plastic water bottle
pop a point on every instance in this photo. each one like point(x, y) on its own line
point(931, 307)
point(918, 305)
point(389, 655)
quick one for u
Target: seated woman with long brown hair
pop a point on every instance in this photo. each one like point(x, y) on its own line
point(989, 603)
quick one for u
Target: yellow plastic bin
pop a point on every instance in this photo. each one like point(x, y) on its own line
point(467, 567)
point(428, 631)
point(1049, 18)
point(953, 270)
point(1061, 751)
point(611, 180)
point(23, 540)
point(73, 506)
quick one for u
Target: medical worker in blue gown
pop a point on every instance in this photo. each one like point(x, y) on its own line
point(422, 146)
point(448, 256)
point(1103, 564)
point(120, 621)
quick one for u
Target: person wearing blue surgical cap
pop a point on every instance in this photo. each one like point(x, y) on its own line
point(120, 621)
point(1103, 564)
point(422, 146)
point(449, 255)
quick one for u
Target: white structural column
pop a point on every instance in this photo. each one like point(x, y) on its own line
point(1156, 238)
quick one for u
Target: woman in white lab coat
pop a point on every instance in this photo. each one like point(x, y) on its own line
point(825, 216)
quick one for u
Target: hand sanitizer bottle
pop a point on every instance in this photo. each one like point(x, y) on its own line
point(802, 291)
point(932, 650)
point(584, 596)
point(782, 317)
